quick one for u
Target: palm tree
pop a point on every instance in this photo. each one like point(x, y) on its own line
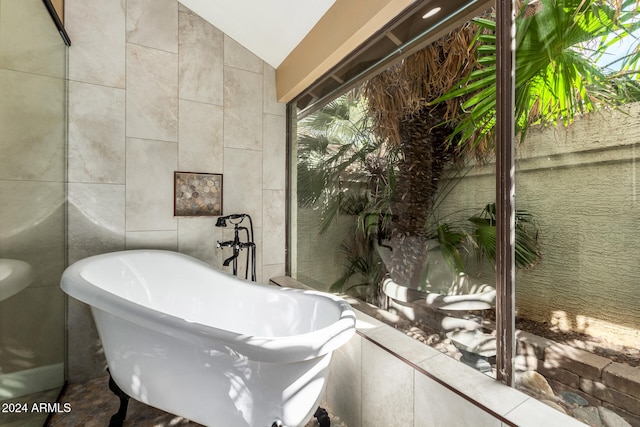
point(438, 106)
point(336, 151)
point(399, 103)
point(343, 169)
point(557, 73)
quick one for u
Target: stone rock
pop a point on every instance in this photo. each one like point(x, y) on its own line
point(580, 362)
point(535, 383)
point(589, 415)
point(553, 405)
point(622, 377)
point(611, 419)
point(573, 399)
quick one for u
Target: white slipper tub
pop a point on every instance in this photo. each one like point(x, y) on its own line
point(184, 337)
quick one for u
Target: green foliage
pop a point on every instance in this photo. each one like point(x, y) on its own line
point(557, 76)
point(336, 152)
point(527, 253)
point(362, 263)
point(450, 238)
point(478, 233)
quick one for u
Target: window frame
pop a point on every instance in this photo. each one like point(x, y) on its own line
point(504, 182)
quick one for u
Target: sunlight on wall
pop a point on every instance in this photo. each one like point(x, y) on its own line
point(610, 332)
point(560, 320)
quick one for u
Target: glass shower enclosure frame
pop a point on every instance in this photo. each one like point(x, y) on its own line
point(33, 148)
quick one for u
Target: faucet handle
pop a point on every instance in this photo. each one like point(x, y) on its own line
point(228, 243)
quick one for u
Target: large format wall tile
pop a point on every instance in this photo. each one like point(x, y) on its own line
point(274, 224)
point(344, 385)
point(486, 390)
point(32, 227)
point(201, 137)
point(274, 152)
point(96, 219)
point(242, 109)
point(84, 349)
point(32, 150)
point(201, 60)
point(149, 198)
point(96, 30)
point(27, 42)
point(167, 65)
point(152, 94)
point(238, 56)
point(197, 237)
point(167, 240)
point(457, 412)
point(387, 398)
point(242, 183)
point(270, 101)
point(153, 23)
point(96, 133)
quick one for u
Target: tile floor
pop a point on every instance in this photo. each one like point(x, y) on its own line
point(92, 405)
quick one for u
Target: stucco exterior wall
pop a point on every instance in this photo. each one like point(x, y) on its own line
point(581, 184)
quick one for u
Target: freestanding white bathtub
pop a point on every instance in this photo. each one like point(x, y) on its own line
point(184, 337)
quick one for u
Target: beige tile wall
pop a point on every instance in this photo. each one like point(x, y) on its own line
point(384, 377)
point(155, 89)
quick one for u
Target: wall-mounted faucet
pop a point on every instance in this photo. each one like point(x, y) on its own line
point(238, 245)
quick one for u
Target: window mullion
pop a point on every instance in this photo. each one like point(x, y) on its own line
point(505, 189)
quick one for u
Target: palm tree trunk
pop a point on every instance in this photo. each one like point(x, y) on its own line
point(424, 155)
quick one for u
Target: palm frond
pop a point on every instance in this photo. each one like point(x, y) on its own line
point(557, 78)
point(335, 151)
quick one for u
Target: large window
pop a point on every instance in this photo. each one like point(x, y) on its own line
point(394, 201)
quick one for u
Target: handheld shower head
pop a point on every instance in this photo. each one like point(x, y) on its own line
point(222, 221)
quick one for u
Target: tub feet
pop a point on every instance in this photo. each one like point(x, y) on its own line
point(118, 418)
point(323, 417)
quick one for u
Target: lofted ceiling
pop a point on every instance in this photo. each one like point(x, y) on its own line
point(270, 29)
point(386, 32)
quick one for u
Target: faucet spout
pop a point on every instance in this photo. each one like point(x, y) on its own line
point(231, 258)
